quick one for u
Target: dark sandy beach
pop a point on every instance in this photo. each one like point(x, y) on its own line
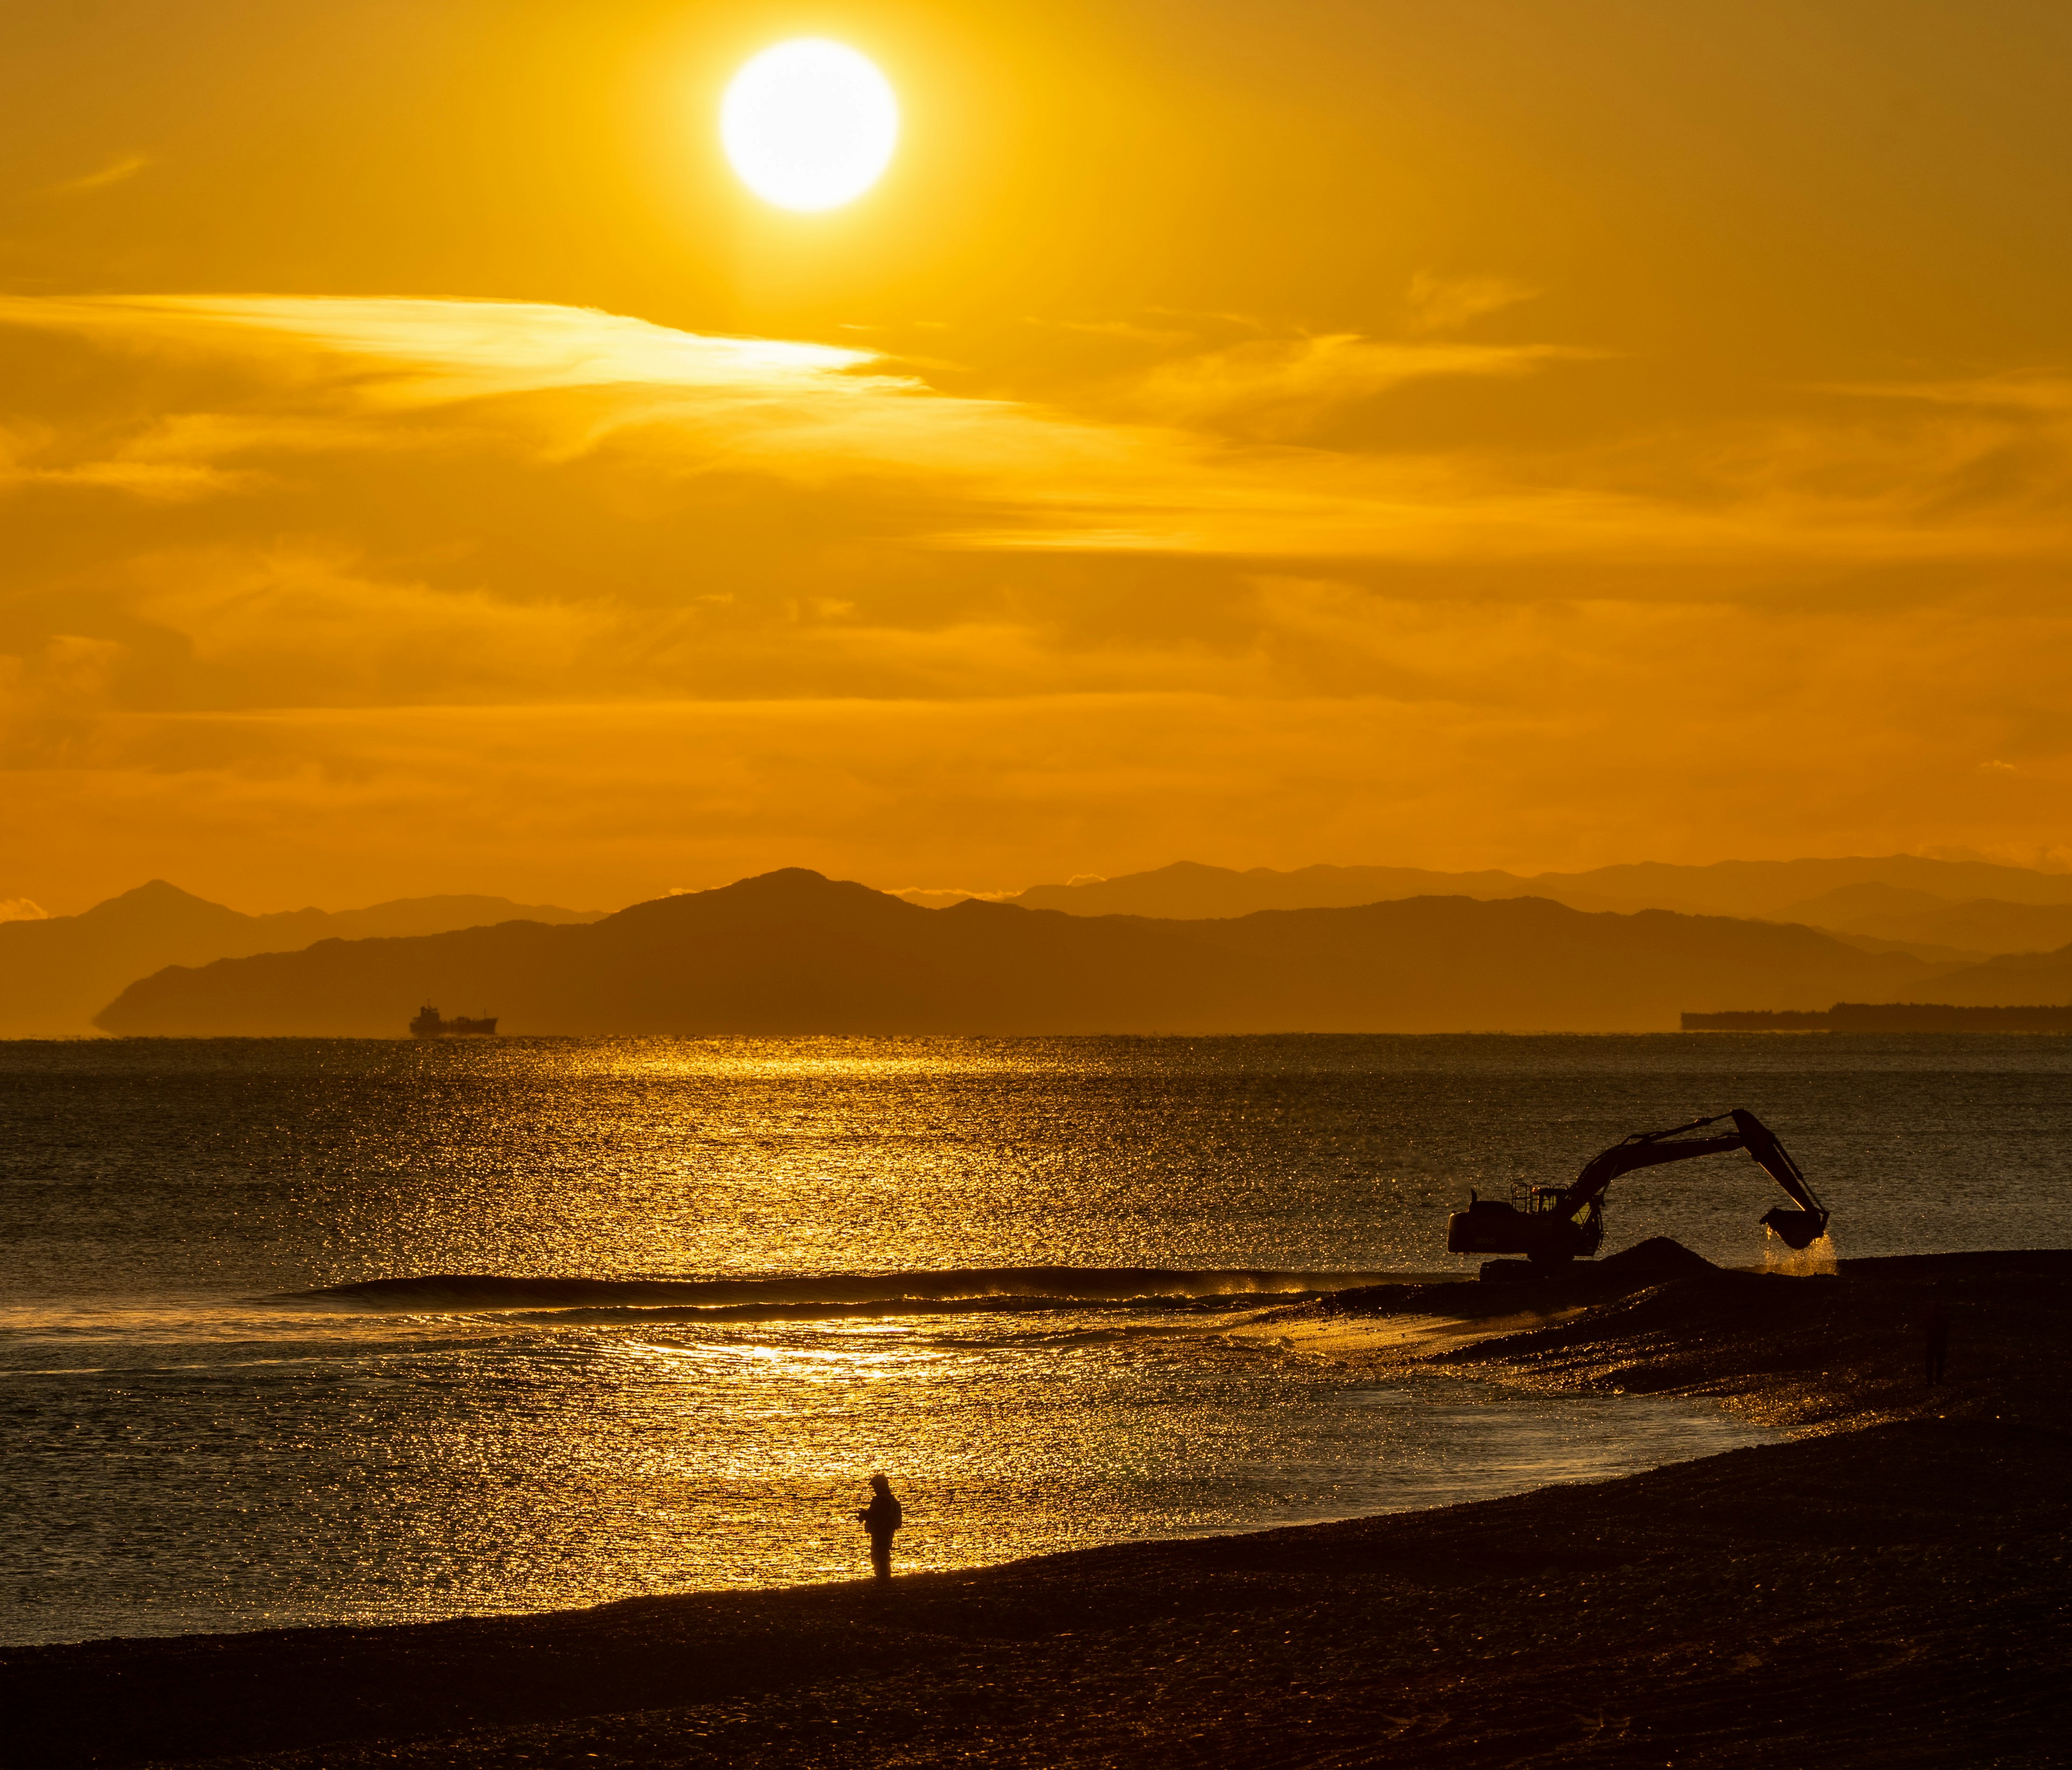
point(1888, 1586)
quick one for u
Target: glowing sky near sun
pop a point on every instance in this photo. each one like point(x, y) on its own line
point(1505, 435)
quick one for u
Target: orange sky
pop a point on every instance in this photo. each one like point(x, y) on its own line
point(1521, 434)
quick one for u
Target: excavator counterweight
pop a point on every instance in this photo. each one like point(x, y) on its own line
point(1553, 1224)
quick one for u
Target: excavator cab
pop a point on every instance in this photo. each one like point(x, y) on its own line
point(1540, 1221)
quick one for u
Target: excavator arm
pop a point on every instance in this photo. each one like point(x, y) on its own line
point(1559, 1223)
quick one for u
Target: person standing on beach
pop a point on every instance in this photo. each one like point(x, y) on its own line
point(880, 1518)
point(1938, 1345)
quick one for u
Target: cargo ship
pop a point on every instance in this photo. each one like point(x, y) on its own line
point(428, 1025)
point(1887, 1017)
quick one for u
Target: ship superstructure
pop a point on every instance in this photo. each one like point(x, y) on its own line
point(429, 1025)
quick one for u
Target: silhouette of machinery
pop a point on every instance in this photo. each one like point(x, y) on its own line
point(1553, 1224)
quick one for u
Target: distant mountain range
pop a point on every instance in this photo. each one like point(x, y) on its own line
point(2013, 980)
point(55, 972)
point(1979, 927)
point(1896, 900)
point(792, 952)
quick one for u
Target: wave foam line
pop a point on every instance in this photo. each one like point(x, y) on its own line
point(443, 1292)
point(1224, 1302)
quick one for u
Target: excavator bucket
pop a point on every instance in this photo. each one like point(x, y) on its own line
point(1796, 1229)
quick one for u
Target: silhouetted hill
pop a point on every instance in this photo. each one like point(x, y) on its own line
point(791, 952)
point(55, 973)
point(1845, 905)
point(1761, 888)
point(2015, 980)
point(1187, 890)
point(1982, 926)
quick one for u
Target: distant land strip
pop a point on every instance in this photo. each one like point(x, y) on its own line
point(1886, 1017)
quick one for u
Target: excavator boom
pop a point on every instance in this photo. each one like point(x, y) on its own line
point(1559, 1223)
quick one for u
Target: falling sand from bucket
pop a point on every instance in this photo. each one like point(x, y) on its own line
point(1817, 1261)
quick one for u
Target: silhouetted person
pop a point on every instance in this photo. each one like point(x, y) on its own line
point(1938, 1345)
point(880, 1518)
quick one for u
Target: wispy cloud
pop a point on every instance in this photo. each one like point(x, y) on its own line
point(2045, 391)
point(438, 571)
point(1443, 304)
point(1203, 463)
point(1277, 387)
point(439, 350)
point(117, 171)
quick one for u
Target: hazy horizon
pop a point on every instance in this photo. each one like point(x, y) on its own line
point(27, 907)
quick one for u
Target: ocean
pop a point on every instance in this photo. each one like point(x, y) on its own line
point(713, 1284)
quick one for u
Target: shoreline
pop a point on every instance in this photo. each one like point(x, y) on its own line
point(1888, 1586)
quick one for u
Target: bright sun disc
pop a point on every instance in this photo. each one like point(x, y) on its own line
point(809, 125)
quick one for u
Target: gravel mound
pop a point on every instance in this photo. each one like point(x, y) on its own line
point(1655, 1261)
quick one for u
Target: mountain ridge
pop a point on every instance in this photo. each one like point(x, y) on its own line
point(792, 953)
point(56, 972)
point(1189, 890)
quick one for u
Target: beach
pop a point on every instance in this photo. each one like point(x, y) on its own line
point(1887, 1587)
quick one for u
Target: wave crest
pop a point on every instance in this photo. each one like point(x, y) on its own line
point(1032, 1286)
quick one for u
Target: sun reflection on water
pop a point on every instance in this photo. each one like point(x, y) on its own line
point(202, 1453)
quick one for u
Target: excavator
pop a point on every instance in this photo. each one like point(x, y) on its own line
point(1553, 1224)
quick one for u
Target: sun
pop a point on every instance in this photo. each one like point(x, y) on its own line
point(809, 125)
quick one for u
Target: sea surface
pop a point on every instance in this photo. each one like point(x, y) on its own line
point(713, 1284)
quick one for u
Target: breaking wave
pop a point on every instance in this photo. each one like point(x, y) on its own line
point(1000, 1287)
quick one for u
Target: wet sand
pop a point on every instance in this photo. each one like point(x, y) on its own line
point(1889, 1586)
